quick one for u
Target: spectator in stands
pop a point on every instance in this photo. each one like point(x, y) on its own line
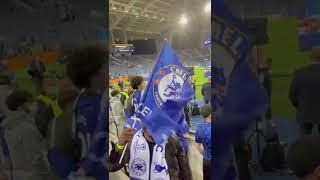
point(5, 71)
point(120, 84)
point(137, 83)
point(46, 111)
point(304, 94)
point(117, 110)
point(37, 70)
point(304, 158)
point(5, 161)
point(123, 93)
point(193, 84)
point(129, 108)
point(206, 91)
point(5, 89)
point(87, 70)
point(175, 166)
point(111, 88)
point(11, 52)
point(203, 140)
point(2, 51)
point(25, 143)
point(186, 114)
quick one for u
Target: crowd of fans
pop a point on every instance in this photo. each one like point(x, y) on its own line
point(123, 104)
point(27, 46)
point(67, 137)
point(46, 138)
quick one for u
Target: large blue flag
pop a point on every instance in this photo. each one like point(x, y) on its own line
point(245, 99)
point(168, 91)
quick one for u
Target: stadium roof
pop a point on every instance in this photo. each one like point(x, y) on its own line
point(153, 17)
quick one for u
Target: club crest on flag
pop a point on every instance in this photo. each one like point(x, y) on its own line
point(168, 83)
point(161, 104)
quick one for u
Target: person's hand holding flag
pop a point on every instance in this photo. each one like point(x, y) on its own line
point(126, 136)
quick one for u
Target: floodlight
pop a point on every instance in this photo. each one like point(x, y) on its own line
point(207, 8)
point(183, 20)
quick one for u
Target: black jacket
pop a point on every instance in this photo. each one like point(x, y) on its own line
point(206, 91)
point(305, 93)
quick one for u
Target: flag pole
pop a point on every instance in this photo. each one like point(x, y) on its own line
point(125, 147)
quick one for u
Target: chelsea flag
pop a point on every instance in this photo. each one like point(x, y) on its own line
point(244, 99)
point(167, 91)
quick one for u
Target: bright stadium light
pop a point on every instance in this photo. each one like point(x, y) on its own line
point(183, 20)
point(207, 8)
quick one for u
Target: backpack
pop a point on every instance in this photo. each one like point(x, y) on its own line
point(273, 155)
